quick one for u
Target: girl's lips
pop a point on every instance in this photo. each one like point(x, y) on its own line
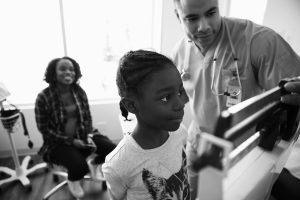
point(177, 120)
point(68, 78)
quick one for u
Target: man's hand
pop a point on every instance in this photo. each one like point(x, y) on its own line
point(294, 97)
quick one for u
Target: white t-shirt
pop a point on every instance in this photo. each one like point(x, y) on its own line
point(135, 173)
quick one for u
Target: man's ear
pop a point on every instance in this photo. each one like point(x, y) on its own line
point(129, 104)
point(177, 15)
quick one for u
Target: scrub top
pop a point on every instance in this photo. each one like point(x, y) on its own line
point(264, 58)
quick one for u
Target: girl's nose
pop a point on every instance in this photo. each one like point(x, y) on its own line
point(179, 103)
point(185, 97)
point(68, 71)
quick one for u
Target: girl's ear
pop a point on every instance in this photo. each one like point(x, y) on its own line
point(129, 104)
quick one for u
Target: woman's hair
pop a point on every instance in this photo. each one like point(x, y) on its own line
point(134, 67)
point(50, 74)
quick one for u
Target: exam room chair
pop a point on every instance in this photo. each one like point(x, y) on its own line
point(59, 172)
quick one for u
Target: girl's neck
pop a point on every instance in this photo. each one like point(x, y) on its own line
point(149, 138)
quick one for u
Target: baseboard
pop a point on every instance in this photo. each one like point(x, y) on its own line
point(20, 152)
point(24, 152)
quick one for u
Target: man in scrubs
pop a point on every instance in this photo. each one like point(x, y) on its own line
point(224, 61)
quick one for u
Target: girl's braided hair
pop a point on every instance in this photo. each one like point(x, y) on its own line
point(134, 67)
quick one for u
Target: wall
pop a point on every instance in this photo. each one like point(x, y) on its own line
point(284, 16)
point(105, 117)
point(171, 30)
point(105, 114)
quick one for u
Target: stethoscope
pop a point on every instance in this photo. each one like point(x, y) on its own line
point(185, 75)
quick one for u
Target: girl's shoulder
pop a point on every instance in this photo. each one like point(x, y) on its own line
point(125, 160)
point(122, 153)
point(180, 134)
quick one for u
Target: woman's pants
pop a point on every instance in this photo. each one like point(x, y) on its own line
point(74, 159)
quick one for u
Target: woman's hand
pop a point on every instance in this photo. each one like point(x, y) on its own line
point(79, 143)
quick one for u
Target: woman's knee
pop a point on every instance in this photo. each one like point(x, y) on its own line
point(78, 170)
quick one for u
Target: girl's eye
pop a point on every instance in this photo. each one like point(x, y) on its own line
point(165, 99)
point(70, 69)
point(181, 91)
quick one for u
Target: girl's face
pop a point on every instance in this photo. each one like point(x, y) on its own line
point(161, 100)
point(65, 73)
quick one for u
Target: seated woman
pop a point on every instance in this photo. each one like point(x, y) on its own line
point(63, 117)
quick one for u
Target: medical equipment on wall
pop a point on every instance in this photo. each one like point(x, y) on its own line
point(13, 121)
point(249, 148)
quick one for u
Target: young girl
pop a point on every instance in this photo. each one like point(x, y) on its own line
point(63, 117)
point(150, 163)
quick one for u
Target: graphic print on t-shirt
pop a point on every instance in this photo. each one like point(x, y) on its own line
point(176, 187)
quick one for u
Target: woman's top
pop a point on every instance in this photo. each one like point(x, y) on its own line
point(71, 114)
point(51, 117)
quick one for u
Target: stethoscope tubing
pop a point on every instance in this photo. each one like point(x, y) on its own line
point(235, 59)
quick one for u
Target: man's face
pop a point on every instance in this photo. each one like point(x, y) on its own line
point(200, 19)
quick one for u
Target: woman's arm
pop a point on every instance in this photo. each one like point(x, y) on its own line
point(85, 109)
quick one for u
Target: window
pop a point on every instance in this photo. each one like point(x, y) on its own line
point(95, 33)
point(253, 10)
point(30, 37)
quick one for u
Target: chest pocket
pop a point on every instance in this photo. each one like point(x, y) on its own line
point(231, 70)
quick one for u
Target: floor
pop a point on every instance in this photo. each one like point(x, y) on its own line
point(42, 182)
